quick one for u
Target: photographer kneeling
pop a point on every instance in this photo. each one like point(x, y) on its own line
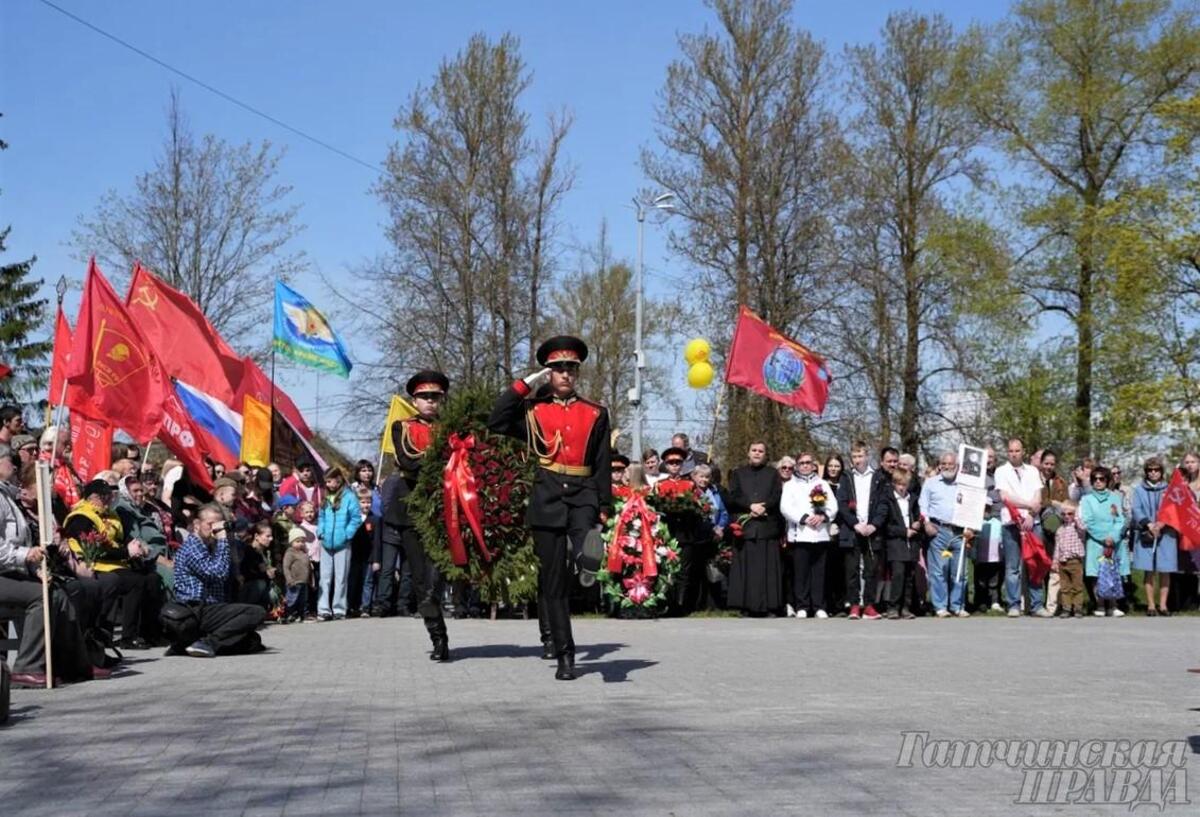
point(200, 622)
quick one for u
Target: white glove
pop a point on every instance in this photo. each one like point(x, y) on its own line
point(536, 379)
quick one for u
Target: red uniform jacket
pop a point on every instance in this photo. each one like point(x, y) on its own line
point(571, 440)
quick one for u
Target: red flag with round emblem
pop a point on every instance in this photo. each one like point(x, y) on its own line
point(771, 364)
point(112, 363)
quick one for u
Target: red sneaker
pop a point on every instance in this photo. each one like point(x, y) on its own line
point(870, 613)
point(855, 612)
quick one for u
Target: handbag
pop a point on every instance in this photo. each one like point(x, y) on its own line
point(1108, 581)
point(181, 622)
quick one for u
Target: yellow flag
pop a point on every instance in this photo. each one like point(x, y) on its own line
point(400, 409)
point(256, 432)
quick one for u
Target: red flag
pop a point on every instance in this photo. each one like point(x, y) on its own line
point(62, 357)
point(91, 446)
point(75, 398)
point(5, 371)
point(112, 363)
point(1178, 510)
point(775, 366)
point(182, 439)
point(186, 343)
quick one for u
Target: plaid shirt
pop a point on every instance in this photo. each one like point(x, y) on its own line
point(201, 574)
point(1067, 543)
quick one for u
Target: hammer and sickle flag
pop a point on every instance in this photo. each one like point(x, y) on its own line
point(113, 364)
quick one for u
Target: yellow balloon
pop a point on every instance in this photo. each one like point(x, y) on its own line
point(696, 350)
point(700, 374)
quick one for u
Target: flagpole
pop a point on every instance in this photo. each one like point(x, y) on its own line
point(271, 425)
point(58, 420)
point(46, 540)
point(712, 437)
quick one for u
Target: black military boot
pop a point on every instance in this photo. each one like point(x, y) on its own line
point(441, 649)
point(566, 672)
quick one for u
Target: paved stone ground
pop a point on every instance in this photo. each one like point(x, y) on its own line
point(673, 717)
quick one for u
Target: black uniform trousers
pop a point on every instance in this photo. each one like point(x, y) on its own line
point(557, 549)
point(692, 577)
point(427, 582)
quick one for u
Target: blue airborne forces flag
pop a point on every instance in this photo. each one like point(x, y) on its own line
point(303, 334)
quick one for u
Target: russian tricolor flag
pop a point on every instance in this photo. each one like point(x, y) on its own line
point(219, 426)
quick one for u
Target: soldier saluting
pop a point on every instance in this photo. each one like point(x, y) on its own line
point(411, 439)
point(570, 438)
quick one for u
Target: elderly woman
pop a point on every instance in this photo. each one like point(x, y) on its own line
point(809, 506)
point(1155, 546)
point(1104, 520)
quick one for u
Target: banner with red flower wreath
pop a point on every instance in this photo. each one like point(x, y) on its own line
point(641, 557)
point(470, 499)
point(678, 497)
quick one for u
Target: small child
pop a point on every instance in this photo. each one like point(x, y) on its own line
point(362, 579)
point(297, 572)
point(1068, 558)
point(308, 524)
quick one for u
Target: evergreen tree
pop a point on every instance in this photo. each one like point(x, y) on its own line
point(22, 314)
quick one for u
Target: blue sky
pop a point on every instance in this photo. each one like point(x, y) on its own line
point(83, 115)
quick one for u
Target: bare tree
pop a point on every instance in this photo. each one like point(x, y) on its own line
point(745, 141)
point(909, 141)
point(211, 219)
point(473, 202)
point(597, 303)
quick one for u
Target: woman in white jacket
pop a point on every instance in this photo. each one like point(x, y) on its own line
point(809, 508)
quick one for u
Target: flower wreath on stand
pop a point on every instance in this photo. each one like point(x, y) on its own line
point(641, 557)
point(470, 499)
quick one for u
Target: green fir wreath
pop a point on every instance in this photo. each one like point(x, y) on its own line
point(504, 476)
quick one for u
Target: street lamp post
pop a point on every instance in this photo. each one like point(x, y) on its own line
point(661, 202)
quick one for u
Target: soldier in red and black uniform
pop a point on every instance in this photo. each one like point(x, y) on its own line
point(570, 437)
point(685, 527)
point(411, 439)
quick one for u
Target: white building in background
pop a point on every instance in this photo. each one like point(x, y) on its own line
point(964, 419)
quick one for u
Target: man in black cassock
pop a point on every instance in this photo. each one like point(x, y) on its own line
point(755, 584)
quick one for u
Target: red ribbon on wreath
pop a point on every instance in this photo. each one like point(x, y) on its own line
point(635, 508)
point(460, 498)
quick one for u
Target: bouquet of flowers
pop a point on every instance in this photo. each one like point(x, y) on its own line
point(820, 499)
point(92, 545)
point(678, 498)
point(642, 558)
point(470, 499)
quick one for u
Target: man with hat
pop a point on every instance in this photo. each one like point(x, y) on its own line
point(684, 526)
point(410, 440)
point(617, 466)
point(26, 447)
point(91, 521)
point(570, 437)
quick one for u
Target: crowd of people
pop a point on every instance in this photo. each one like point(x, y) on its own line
point(142, 556)
point(814, 538)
